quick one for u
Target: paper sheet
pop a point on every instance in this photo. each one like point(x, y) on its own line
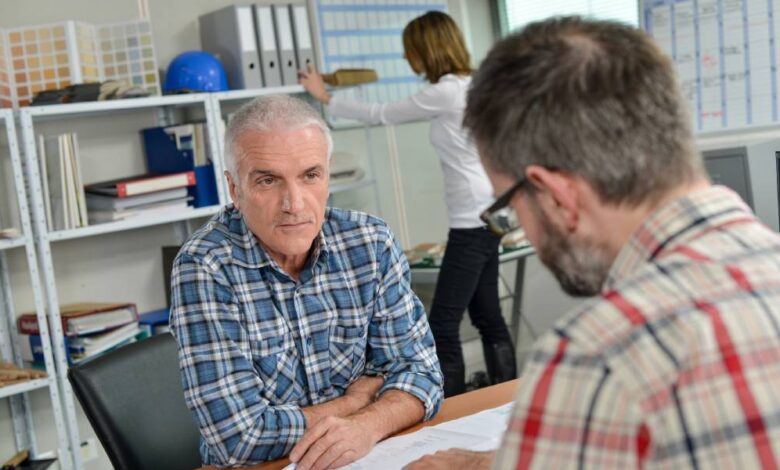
point(481, 432)
point(489, 424)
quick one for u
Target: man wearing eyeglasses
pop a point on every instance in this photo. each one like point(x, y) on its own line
point(675, 361)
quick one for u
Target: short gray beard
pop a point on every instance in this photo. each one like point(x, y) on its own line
point(580, 268)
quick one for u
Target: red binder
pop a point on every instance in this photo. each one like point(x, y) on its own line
point(86, 317)
point(142, 184)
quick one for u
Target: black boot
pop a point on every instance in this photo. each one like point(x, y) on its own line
point(454, 379)
point(500, 361)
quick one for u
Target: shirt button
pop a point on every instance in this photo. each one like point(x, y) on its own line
point(281, 343)
point(308, 340)
point(321, 393)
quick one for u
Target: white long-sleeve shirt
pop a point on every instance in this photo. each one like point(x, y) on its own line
point(467, 188)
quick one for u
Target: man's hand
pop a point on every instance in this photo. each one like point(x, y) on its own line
point(333, 442)
point(364, 389)
point(453, 459)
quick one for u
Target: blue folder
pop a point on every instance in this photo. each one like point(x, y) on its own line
point(164, 155)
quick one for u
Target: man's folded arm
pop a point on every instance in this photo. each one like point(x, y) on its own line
point(220, 384)
point(401, 346)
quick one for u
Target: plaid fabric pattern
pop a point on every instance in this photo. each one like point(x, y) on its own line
point(255, 346)
point(675, 365)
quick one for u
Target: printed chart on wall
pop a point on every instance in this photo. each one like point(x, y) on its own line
point(726, 57)
point(367, 34)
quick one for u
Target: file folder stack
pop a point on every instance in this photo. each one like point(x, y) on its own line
point(90, 329)
point(260, 46)
point(63, 191)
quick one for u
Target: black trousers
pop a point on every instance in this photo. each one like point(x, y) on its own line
point(468, 279)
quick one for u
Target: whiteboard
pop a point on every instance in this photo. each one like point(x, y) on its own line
point(726, 57)
point(367, 34)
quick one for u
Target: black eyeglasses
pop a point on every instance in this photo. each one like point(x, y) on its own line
point(499, 217)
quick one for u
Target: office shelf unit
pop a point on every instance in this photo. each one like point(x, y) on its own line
point(164, 111)
point(18, 394)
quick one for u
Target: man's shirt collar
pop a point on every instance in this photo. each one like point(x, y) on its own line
point(247, 250)
point(674, 225)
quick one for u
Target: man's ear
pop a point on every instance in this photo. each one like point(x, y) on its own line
point(557, 193)
point(233, 189)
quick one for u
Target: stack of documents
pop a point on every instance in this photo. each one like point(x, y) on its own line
point(10, 219)
point(63, 192)
point(84, 318)
point(144, 195)
point(84, 347)
point(90, 328)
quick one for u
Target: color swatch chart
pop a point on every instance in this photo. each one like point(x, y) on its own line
point(46, 57)
point(6, 99)
point(726, 57)
point(127, 53)
point(367, 34)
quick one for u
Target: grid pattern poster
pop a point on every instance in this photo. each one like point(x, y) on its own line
point(726, 56)
point(367, 34)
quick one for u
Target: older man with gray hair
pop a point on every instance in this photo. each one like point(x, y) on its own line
point(297, 328)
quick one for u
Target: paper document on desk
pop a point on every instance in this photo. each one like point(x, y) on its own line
point(490, 424)
point(480, 432)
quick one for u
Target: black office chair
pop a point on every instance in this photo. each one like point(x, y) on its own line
point(134, 401)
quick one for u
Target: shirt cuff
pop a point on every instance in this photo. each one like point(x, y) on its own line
point(289, 424)
point(423, 388)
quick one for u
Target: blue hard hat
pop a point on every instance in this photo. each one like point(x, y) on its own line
point(195, 71)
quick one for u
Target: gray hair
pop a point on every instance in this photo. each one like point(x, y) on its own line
point(597, 99)
point(267, 113)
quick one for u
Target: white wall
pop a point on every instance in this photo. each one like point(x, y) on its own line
point(127, 265)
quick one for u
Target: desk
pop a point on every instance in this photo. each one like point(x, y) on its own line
point(452, 408)
point(429, 274)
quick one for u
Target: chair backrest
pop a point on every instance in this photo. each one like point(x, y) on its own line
point(134, 400)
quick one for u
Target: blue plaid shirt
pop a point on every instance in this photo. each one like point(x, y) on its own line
point(255, 345)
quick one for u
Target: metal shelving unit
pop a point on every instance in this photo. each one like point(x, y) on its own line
point(163, 107)
point(131, 224)
point(23, 387)
point(238, 95)
point(12, 243)
point(17, 394)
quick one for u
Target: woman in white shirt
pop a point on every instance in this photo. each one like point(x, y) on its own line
point(434, 46)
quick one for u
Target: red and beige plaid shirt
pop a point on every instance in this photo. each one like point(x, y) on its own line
point(675, 365)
